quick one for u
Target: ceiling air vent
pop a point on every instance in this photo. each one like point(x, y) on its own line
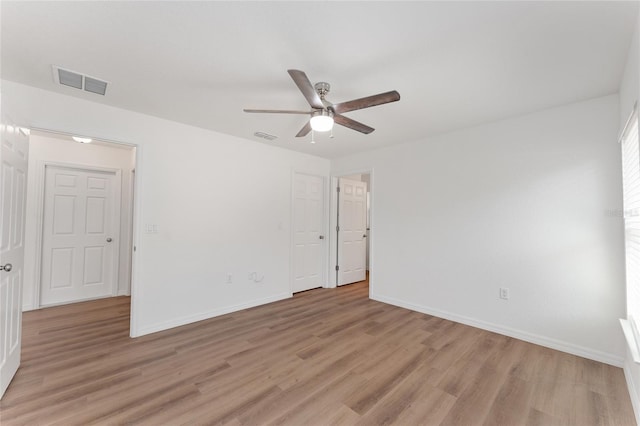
point(69, 78)
point(266, 136)
point(79, 81)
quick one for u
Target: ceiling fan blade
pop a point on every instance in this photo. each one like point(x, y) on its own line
point(352, 124)
point(305, 130)
point(276, 111)
point(369, 101)
point(307, 89)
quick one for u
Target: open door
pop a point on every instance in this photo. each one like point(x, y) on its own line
point(13, 187)
point(352, 231)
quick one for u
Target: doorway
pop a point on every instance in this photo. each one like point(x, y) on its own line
point(79, 223)
point(351, 225)
point(26, 154)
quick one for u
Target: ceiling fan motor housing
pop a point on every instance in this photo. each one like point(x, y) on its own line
point(322, 88)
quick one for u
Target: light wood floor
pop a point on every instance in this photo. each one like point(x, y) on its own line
point(326, 356)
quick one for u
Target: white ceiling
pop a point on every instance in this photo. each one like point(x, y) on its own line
point(455, 64)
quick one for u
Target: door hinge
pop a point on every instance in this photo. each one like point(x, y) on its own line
point(337, 268)
point(338, 228)
point(338, 189)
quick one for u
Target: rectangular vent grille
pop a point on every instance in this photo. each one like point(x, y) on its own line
point(266, 136)
point(70, 79)
point(79, 81)
point(95, 86)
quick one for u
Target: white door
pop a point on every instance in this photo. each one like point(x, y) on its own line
point(80, 235)
point(352, 231)
point(308, 239)
point(13, 172)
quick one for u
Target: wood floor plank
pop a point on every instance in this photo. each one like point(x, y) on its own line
point(341, 416)
point(317, 405)
point(474, 403)
point(430, 407)
point(472, 360)
point(400, 365)
point(323, 357)
point(298, 393)
point(414, 389)
point(513, 399)
point(538, 418)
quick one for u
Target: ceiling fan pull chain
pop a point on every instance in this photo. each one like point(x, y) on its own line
point(331, 135)
point(312, 140)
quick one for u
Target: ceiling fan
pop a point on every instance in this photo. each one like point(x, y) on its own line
point(323, 113)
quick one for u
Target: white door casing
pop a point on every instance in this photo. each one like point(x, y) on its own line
point(352, 223)
point(308, 237)
point(13, 175)
point(81, 231)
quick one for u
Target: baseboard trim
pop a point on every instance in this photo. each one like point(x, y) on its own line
point(28, 307)
point(165, 325)
point(632, 388)
point(581, 351)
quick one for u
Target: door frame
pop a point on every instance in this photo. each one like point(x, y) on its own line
point(136, 292)
point(325, 215)
point(333, 223)
point(40, 195)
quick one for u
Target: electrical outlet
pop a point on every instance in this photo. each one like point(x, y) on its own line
point(504, 293)
point(229, 278)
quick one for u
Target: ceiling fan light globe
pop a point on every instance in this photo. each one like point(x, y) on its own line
point(321, 123)
point(81, 139)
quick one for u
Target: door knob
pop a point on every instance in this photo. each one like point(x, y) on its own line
point(321, 237)
point(6, 267)
point(364, 236)
point(109, 240)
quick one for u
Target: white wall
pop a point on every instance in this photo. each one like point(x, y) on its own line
point(522, 203)
point(44, 147)
point(630, 84)
point(222, 205)
point(629, 95)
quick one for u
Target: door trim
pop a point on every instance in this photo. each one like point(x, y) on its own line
point(40, 188)
point(333, 222)
point(325, 214)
